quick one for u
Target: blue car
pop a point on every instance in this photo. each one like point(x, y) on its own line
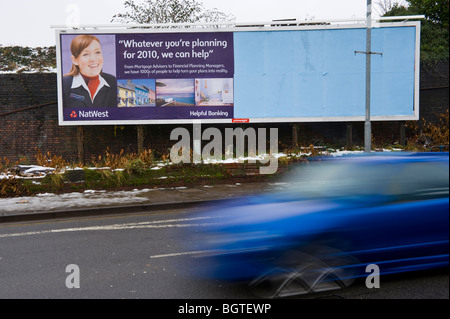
point(336, 217)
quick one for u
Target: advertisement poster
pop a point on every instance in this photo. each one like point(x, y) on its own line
point(237, 75)
point(146, 76)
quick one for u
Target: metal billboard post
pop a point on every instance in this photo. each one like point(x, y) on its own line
point(368, 125)
point(368, 53)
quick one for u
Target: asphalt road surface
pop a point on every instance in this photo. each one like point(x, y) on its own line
point(145, 257)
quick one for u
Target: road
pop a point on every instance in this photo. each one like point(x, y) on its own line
point(142, 256)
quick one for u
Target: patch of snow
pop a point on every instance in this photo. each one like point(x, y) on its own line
point(54, 202)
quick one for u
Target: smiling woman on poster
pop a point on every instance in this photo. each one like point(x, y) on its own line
point(86, 85)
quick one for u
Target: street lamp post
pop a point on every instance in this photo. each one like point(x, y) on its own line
point(368, 125)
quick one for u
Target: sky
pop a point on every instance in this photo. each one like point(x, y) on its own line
point(28, 22)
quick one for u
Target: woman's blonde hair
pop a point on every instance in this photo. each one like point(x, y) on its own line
point(79, 43)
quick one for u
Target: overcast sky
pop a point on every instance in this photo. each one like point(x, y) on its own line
point(28, 22)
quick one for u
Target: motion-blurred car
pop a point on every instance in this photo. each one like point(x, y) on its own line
point(337, 216)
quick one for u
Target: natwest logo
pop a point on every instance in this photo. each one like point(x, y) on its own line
point(93, 114)
point(89, 114)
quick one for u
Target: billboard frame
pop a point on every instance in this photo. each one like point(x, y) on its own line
point(243, 27)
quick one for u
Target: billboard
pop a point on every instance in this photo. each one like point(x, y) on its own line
point(240, 74)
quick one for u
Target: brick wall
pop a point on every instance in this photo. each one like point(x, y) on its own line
point(434, 93)
point(23, 131)
point(28, 122)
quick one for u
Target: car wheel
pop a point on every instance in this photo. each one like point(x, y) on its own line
point(315, 269)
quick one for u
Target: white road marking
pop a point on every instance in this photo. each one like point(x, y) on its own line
point(180, 254)
point(142, 225)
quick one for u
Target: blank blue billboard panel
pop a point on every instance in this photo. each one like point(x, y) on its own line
point(317, 73)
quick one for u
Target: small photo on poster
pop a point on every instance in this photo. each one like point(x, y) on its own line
point(214, 92)
point(88, 70)
point(136, 93)
point(175, 92)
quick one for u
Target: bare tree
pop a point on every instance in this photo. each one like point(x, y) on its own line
point(169, 11)
point(384, 6)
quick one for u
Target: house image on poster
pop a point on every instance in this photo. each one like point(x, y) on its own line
point(136, 93)
point(145, 95)
point(126, 95)
point(151, 96)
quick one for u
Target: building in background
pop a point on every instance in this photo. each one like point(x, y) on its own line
point(126, 95)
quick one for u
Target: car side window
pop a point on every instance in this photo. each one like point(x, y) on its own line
point(420, 181)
